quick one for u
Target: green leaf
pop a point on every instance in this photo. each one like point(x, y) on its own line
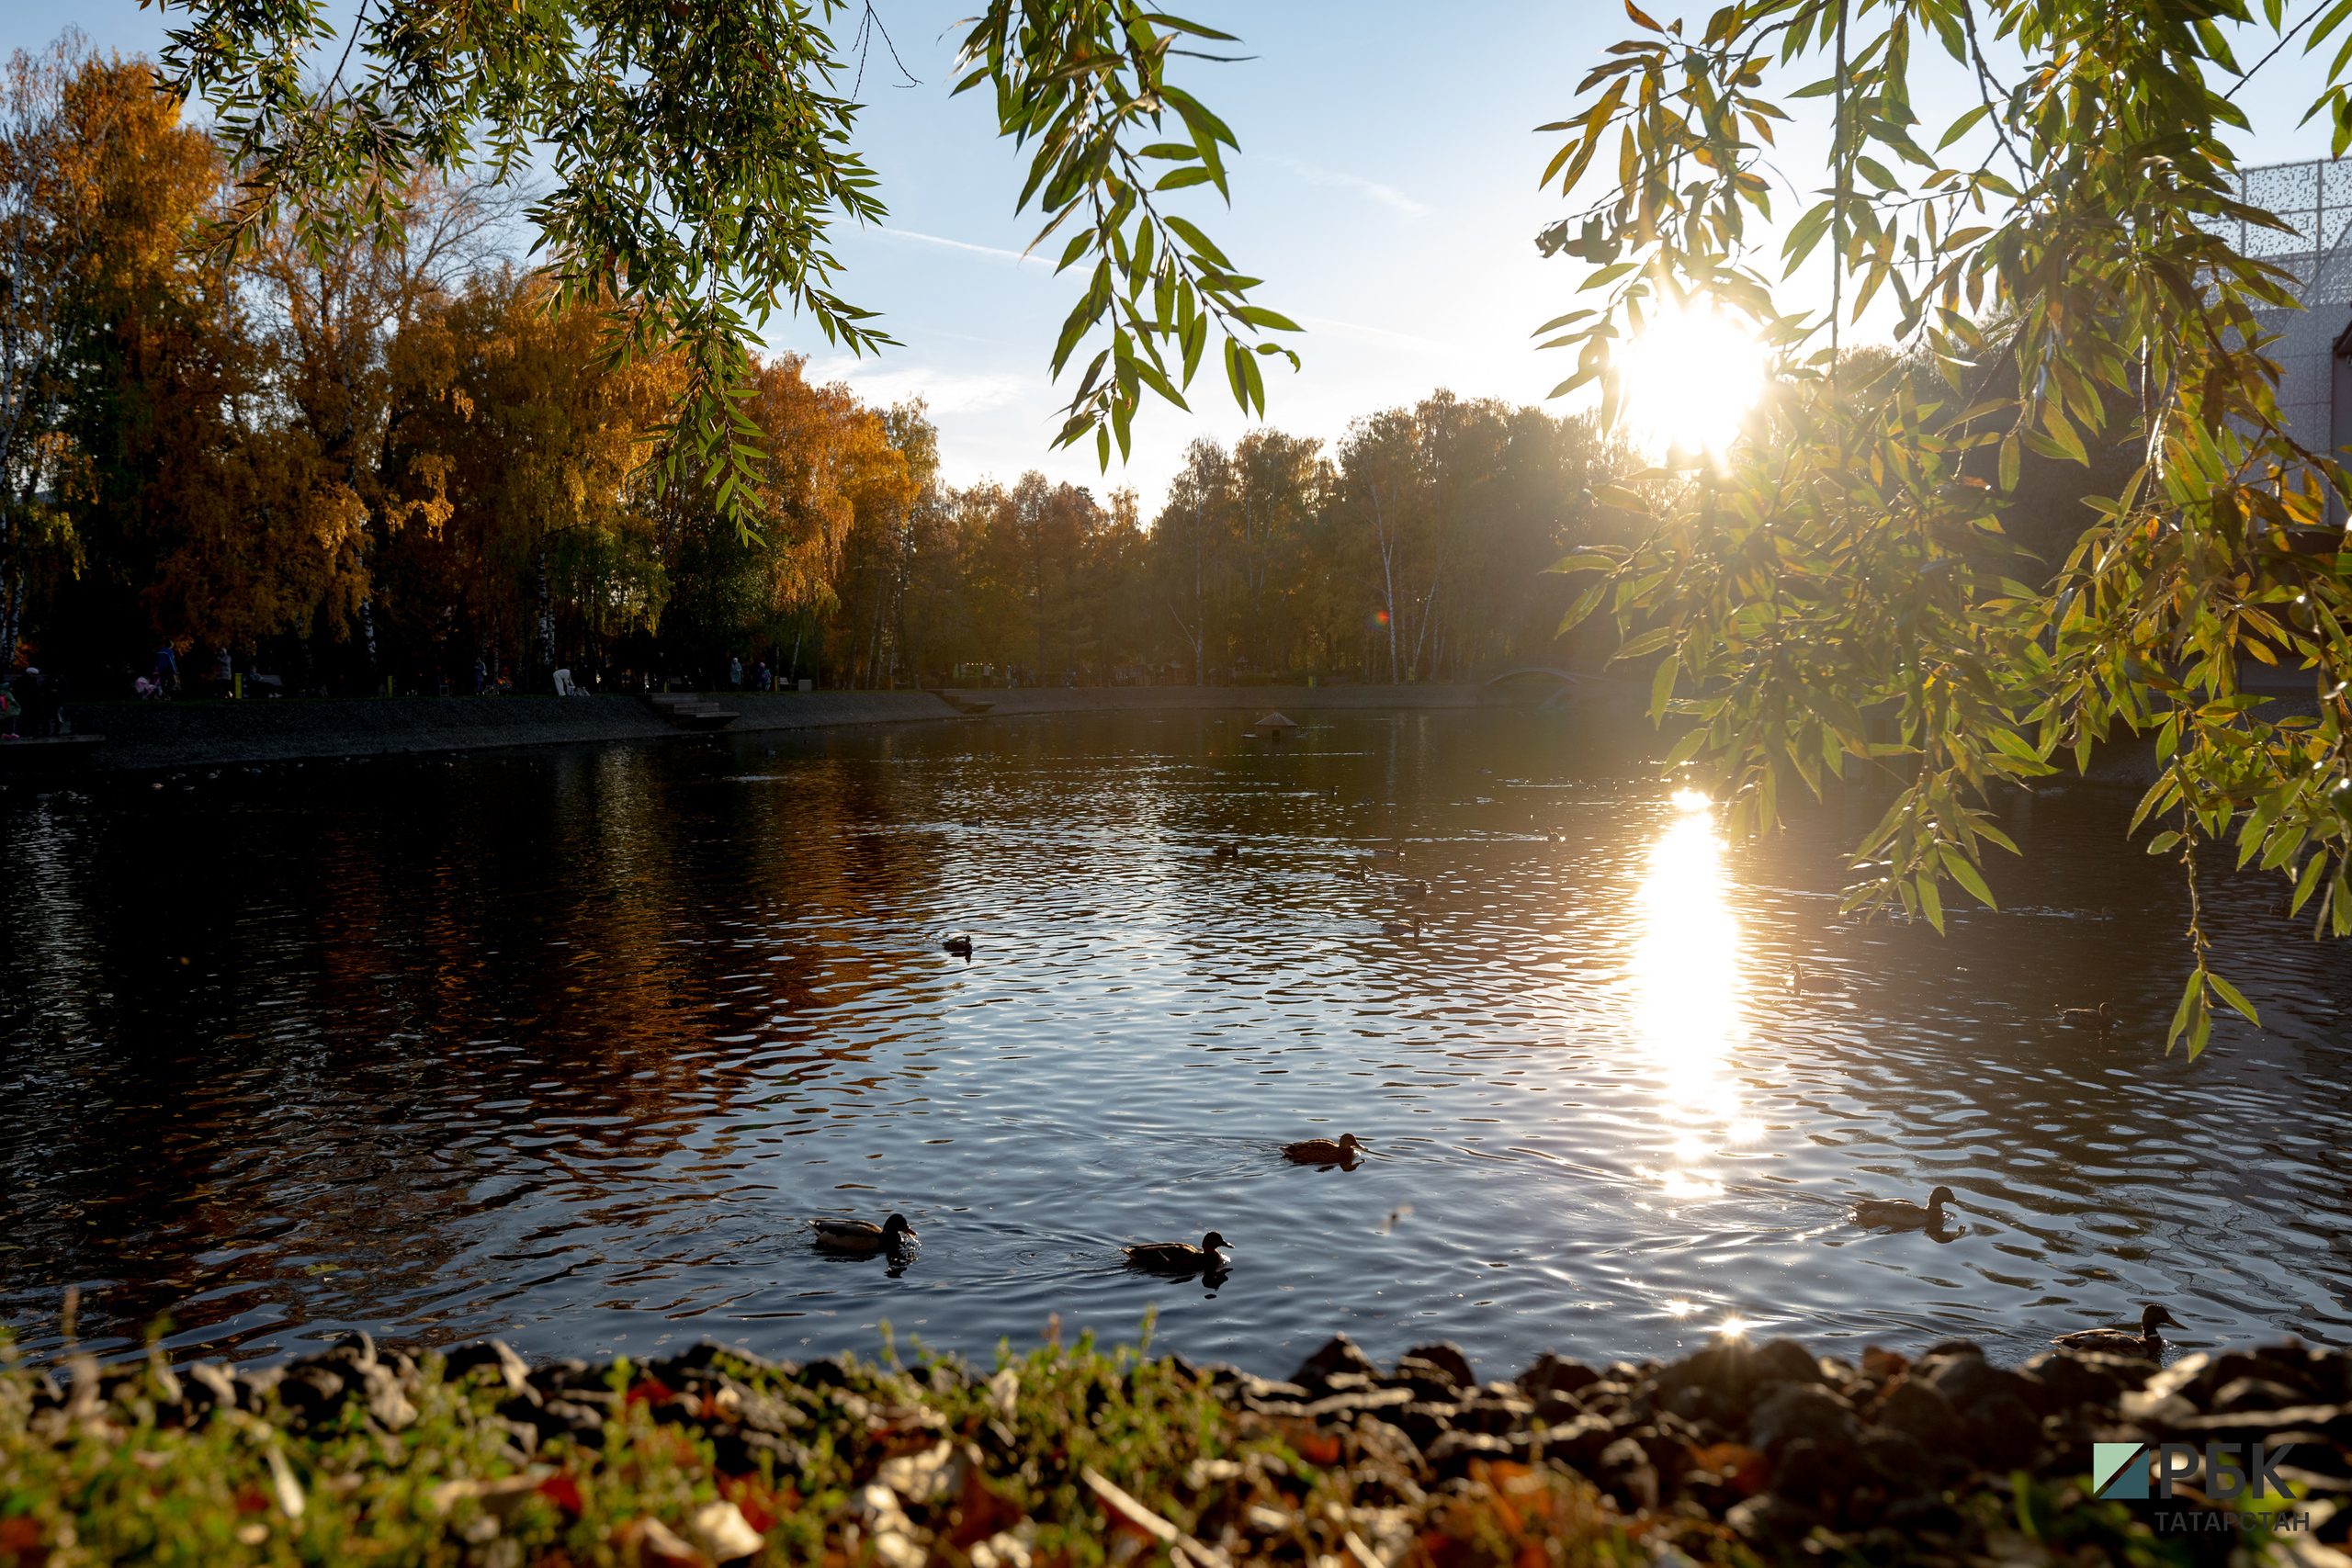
point(1931, 903)
point(2308, 883)
point(1963, 125)
point(1662, 687)
point(1967, 875)
point(1258, 316)
point(2192, 1000)
point(2230, 994)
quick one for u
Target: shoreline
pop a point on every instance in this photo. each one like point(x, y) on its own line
point(1740, 1454)
point(131, 738)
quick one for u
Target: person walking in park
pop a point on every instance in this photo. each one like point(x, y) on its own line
point(481, 675)
point(27, 689)
point(167, 670)
point(734, 674)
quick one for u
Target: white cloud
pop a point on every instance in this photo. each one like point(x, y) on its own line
point(882, 383)
point(1379, 337)
point(1387, 196)
point(1013, 256)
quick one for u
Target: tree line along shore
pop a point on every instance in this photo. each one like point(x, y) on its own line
point(374, 469)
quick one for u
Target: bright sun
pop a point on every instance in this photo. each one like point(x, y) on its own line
point(1689, 376)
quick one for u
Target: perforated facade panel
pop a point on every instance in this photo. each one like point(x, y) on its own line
point(2315, 199)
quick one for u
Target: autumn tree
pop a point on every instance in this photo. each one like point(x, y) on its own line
point(516, 453)
point(99, 185)
point(1278, 482)
point(1189, 539)
point(697, 155)
point(164, 451)
point(327, 320)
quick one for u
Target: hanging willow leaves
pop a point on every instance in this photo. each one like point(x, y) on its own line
point(1875, 581)
point(698, 155)
point(1084, 82)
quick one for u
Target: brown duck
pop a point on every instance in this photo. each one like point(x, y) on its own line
point(1901, 1214)
point(1323, 1151)
point(892, 1234)
point(1178, 1256)
point(2123, 1341)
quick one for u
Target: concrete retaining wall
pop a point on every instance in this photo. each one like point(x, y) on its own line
point(141, 735)
point(1253, 700)
point(180, 735)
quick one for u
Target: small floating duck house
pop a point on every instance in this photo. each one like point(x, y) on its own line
point(1274, 727)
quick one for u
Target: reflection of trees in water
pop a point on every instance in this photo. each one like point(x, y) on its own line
point(433, 997)
point(453, 1030)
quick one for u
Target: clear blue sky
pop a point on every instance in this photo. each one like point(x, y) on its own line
point(1386, 191)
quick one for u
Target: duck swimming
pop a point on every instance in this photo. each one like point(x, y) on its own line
point(1411, 928)
point(961, 946)
point(1226, 851)
point(864, 1236)
point(1323, 1151)
point(2097, 1018)
point(2123, 1341)
point(1901, 1214)
point(1179, 1257)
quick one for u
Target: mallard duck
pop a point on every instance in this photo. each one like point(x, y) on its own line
point(1413, 887)
point(2123, 1341)
point(1226, 851)
point(864, 1236)
point(1411, 928)
point(1178, 1256)
point(2096, 1018)
point(961, 946)
point(1323, 1151)
point(1902, 1213)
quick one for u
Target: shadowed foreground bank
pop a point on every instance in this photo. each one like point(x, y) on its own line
point(1740, 1454)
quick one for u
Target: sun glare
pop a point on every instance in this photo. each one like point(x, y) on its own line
point(1690, 378)
point(1688, 1004)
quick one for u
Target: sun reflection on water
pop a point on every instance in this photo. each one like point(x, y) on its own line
point(1687, 998)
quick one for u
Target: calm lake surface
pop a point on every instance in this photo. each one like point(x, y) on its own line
point(567, 1046)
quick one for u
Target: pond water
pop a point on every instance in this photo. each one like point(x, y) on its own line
point(568, 1045)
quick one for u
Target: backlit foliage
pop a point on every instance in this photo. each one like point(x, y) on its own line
point(1845, 591)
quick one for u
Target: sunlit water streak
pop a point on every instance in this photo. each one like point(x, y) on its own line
point(567, 1046)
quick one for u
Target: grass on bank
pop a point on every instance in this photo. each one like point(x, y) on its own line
point(1060, 1458)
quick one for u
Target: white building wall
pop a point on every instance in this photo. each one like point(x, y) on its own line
point(2316, 200)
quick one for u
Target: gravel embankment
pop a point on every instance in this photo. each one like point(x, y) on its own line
point(1738, 1455)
